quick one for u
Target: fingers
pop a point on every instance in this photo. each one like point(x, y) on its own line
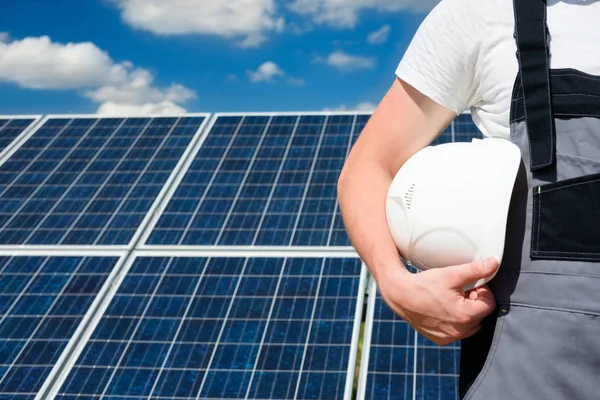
point(481, 306)
point(461, 275)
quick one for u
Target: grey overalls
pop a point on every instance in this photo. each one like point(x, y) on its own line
point(543, 342)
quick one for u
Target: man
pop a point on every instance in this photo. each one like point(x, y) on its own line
point(533, 332)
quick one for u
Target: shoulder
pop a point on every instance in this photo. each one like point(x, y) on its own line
point(443, 59)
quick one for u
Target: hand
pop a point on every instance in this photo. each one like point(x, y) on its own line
point(434, 302)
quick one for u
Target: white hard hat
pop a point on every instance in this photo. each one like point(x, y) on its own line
point(448, 204)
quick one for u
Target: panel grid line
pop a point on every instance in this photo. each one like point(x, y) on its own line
point(139, 177)
point(9, 186)
point(22, 292)
point(122, 356)
point(172, 343)
point(312, 169)
point(214, 175)
point(110, 175)
point(75, 181)
point(310, 324)
point(276, 180)
point(337, 203)
point(224, 320)
point(264, 335)
point(40, 323)
point(242, 184)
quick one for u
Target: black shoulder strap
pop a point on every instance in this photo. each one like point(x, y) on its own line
point(532, 51)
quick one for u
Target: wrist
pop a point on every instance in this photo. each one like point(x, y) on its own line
point(392, 275)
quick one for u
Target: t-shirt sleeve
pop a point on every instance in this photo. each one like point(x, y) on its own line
point(441, 59)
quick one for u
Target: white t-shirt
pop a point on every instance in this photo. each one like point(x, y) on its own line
point(464, 54)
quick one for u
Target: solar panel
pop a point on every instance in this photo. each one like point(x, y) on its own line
point(42, 302)
point(267, 180)
point(234, 328)
point(11, 128)
point(89, 181)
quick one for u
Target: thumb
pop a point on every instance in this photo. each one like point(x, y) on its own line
point(462, 275)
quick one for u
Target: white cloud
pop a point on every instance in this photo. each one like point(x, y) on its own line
point(344, 13)
point(4, 36)
point(265, 73)
point(248, 21)
point(295, 81)
point(365, 106)
point(347, 62)
point(380, 36)
point(138, 89)
point(39, 63)
point(162, 108)
point(343, 107)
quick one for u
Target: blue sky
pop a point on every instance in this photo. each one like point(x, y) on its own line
point(161, 56)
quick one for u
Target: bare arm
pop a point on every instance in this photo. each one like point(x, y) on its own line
point(405, 122)
point(433, 302)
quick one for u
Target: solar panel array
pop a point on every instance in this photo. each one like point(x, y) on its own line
point(193, 256)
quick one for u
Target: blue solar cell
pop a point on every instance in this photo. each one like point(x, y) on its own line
point(225, 328)
point(42, 301)
point(89, 181)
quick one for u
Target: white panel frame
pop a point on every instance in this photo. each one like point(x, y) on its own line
point(366, 348)
point(364, 277)
point(174, 184)
point(16, 143)
point(198, 137)
point(85, 328)
point(361, 392)
point(134, 241)
point(249, 251)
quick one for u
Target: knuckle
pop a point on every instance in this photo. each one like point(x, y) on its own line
point(463, 319)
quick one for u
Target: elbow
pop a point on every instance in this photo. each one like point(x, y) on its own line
point(340, 184)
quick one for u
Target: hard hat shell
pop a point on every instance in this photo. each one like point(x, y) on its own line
point(448, 204)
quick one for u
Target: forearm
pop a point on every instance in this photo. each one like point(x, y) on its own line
point(362, 191)
point(405, 122)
